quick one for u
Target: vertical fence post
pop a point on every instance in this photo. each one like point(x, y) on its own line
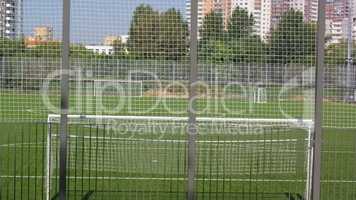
point(349, 59)
point(318, 115)
point(192, 128)
point(64, 99)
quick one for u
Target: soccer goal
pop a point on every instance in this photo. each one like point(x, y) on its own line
point(118, 148)
point(260, 95)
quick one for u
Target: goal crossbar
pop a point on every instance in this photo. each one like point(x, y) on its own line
point(302, 123)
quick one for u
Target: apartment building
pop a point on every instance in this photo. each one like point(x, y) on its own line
point(225, 8)
point(204, 8)
point(8, 18)
point(267, 13)
point(338, 13)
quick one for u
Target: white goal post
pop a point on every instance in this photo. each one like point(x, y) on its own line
point(260, 95)
point(288, 144)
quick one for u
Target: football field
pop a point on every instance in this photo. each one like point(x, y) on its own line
point(136, 159)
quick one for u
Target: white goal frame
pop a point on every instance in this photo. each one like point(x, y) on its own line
point(260, 95)
point(298, 123)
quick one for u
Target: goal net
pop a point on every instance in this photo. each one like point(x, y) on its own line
point(153, 147)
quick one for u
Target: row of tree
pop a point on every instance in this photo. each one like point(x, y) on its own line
point(165, 36)
point(17, 48)
point(155, 35)
point(292, 40)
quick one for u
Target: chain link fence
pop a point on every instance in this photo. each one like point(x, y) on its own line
point(173, 99)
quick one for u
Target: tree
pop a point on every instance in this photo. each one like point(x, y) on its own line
point(216, 51)
point(212, 46)
point(79, 51)
point(173, 35)
point(212, 27)
point(240, 24)
point(337, 53)
point(120, 49)
point(292, 39)
point(144, 33)
point(49, 49)
point(118, 45)
point(54, 49)
point(248, 49)
point(10, 47)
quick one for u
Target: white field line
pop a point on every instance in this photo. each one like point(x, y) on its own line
point(40, 144)
point(182, 179)
point(25, 145)
point(184, 119)
point(180, 141)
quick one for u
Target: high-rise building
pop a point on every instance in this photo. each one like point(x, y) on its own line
point(204, 8)
point(9, 18)
point(248, 5)
point(43, 33)
point(267, 14)
point(257, 16)
point(354, 20)
point(338, 14)
point(265, 18)
point(2, 17)
point(225, 8)
point(110, 40)
point(311, 10)
point(251, 6)
point(354, 10)
point(280, 7)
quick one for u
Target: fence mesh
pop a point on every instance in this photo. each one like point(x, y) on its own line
point(338, 147)
point(133, 75)
point(256, 60)
point(255, 73)
point(30, 49)
point(106, 153)
point(30, 56)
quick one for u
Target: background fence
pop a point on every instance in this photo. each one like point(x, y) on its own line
point(177, 99)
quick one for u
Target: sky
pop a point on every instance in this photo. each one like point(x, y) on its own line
point(91, 20)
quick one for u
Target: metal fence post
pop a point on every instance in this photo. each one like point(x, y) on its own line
point(64, 99)
point(318, 115)
point(192, 128)
point(349, 60)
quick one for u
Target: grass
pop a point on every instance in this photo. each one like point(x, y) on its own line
point(22, 106)
point(23, 150)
